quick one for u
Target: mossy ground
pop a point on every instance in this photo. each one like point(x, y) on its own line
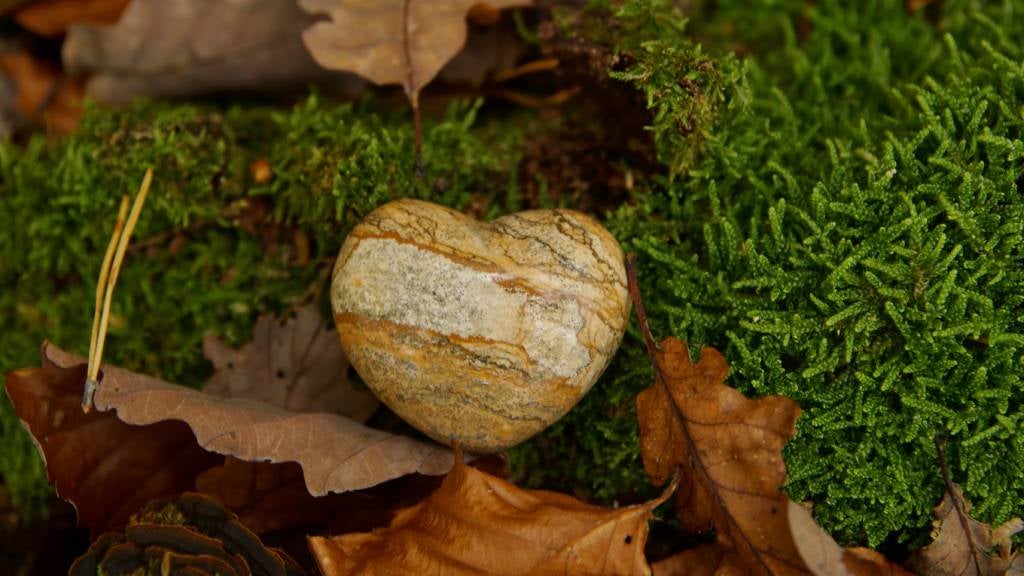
point(838, 208)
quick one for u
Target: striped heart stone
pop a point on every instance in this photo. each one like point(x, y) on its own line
point(480, 332)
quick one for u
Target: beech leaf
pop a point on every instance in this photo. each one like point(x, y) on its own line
point(106, 468)
point(150, 439)
point(476, 523)
point(295, 364)
point(727, 452)
point(161, 48)
point(404, 42)
point(963, 546)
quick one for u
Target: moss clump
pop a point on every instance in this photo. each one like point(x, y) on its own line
point(856, 242)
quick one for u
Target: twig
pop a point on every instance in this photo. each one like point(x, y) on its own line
point(105, 287)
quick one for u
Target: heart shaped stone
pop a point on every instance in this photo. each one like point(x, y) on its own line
point(485, 333)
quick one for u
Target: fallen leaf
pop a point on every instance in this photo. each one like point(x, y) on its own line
point(52, 18)
point(273, 497)
point(106, 468)
point(711, 559)
point(727, 452)
point(151, 439)
point(161, 48)
point(295, 364)
point(476, 523)
point(404, 42)
point(43, 94)
point(962, 546)
point(336, 454)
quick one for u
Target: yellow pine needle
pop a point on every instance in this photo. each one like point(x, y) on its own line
point(105, 287)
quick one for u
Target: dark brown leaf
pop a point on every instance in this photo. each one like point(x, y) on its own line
point(151, 439)
point(108, 469)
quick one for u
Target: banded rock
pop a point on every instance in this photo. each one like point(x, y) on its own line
point(484, 333)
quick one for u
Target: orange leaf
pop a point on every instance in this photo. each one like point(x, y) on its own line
point(476, 523)
point(404, 42)
point(727, 450)
point(53, 17)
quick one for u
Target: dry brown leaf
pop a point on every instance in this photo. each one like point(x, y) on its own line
point(404, 42)
point(162, 436)
point(107, 469)
point(53, 17)
point(962, 546)
point(44, 95)
point(295, 364)
point(161, 48)
point(711, 559)
point(336, 454)
point(273, 497)
point(476, 523)
point(727, 450)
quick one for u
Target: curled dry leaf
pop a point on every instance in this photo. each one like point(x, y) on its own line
point(476, 523)
point(727, 450)
point(962, 546)
point(404, 42)
point(161, 48)
point(151, 439)
point(295, 364)
point(106, 468)
point(53, 17)
point(336, 454)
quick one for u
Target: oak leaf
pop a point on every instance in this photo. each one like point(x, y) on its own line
point(727, 452)
point(476, 523)
point(295, 364)
point(404, 42)
point(184, 47)
point(963, 546)
point(150, 439)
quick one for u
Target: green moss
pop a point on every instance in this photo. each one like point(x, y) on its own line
point(856, 242)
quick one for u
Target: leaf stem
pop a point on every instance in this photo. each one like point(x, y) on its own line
point(412, 90)
point(638, 305)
